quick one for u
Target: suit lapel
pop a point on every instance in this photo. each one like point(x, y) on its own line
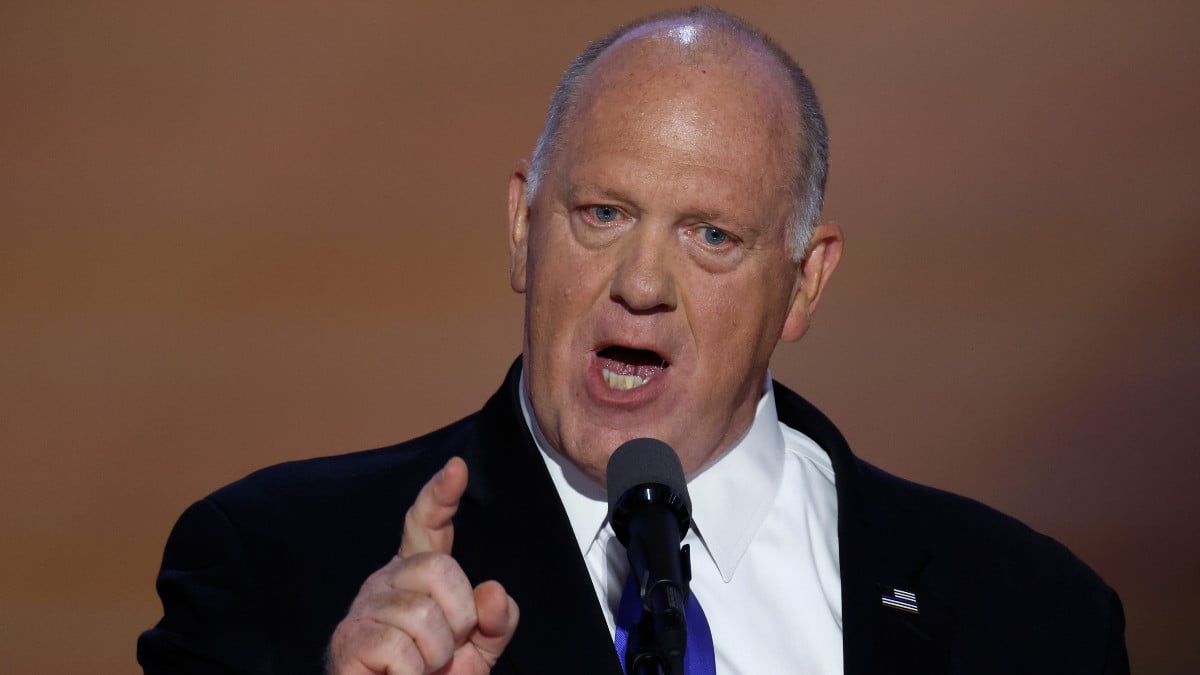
point(512, 528)
point(879, 556)
point(893, 617)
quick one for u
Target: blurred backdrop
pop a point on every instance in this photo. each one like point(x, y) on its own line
point(233, 234)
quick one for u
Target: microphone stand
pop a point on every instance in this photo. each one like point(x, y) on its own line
point(658, 640)
point(650, 513)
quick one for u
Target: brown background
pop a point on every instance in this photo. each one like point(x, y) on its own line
point(233, 234)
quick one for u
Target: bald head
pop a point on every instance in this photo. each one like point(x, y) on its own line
point(698, 42)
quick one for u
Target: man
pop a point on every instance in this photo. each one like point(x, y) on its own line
point(666, 237)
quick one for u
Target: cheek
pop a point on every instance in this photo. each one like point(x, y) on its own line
point(734, 322)
point(556, 293)
point(725, 304)
point(568, 277)
point(559, 299)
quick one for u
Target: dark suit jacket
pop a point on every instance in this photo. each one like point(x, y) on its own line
point(256, 576)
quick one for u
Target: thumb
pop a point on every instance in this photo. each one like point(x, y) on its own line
point(498, 616)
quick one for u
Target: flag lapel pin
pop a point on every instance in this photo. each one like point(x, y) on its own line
point(901, 600)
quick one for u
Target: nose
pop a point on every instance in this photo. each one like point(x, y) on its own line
point(644, 281)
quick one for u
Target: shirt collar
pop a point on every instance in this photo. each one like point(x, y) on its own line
point(585, 502)
point(730, 498)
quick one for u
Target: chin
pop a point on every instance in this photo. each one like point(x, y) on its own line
point(595, 446)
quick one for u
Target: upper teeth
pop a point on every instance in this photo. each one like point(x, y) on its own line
point(624, 382)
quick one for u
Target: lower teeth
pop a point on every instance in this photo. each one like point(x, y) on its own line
point(622, 382)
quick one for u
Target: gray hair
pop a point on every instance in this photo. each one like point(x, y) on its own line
point(813, 156)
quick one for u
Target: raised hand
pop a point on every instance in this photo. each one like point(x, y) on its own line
point(418, 613)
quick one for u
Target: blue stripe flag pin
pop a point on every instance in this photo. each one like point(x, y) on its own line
point(899, 599)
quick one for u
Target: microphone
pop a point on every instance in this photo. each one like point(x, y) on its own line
point(650, 512)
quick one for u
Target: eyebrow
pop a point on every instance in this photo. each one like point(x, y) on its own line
point(576, 193)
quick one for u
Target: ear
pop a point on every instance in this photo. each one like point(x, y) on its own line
point(824, 252)
point(518, 226)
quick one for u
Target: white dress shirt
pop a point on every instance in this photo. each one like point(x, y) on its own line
point(764, 546)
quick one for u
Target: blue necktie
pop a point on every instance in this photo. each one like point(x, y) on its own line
point(699, 659)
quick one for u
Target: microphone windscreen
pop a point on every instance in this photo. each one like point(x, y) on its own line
point(645, 460)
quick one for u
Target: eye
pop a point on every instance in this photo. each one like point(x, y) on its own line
point(712, 236)
point(605, 214)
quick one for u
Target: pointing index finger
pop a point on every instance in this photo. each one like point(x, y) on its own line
point(428, 527)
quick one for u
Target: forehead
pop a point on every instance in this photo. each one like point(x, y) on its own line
point(686, 100)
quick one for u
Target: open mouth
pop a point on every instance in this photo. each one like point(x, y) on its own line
point(625, 368)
